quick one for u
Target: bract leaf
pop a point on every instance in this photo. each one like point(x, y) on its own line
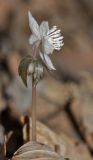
point(23, 67)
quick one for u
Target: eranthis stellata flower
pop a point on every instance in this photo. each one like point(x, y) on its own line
point(49, 39)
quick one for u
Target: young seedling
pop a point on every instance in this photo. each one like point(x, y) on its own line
point(43, 41)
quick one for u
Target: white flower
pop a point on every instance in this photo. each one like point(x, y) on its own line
point(50, 39)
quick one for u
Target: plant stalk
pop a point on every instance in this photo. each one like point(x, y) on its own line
point(33, 109)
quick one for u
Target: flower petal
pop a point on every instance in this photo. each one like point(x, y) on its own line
point(44, 28)
point(32, 39)
point(33, 25)
point(47, 47)
point(45, 58)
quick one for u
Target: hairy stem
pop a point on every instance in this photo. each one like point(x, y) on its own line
point(33, 109)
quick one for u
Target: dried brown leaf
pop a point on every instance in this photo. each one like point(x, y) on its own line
point(36, 151)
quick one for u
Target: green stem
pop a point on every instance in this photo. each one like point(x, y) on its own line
point(33, 109)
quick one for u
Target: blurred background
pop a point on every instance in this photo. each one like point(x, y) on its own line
point(64, 100)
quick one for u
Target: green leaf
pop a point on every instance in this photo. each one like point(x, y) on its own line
point(23, 67)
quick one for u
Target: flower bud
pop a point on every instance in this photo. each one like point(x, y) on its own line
point(36, 69)
point(31, 69)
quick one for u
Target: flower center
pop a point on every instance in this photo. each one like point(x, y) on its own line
point(51, 40)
